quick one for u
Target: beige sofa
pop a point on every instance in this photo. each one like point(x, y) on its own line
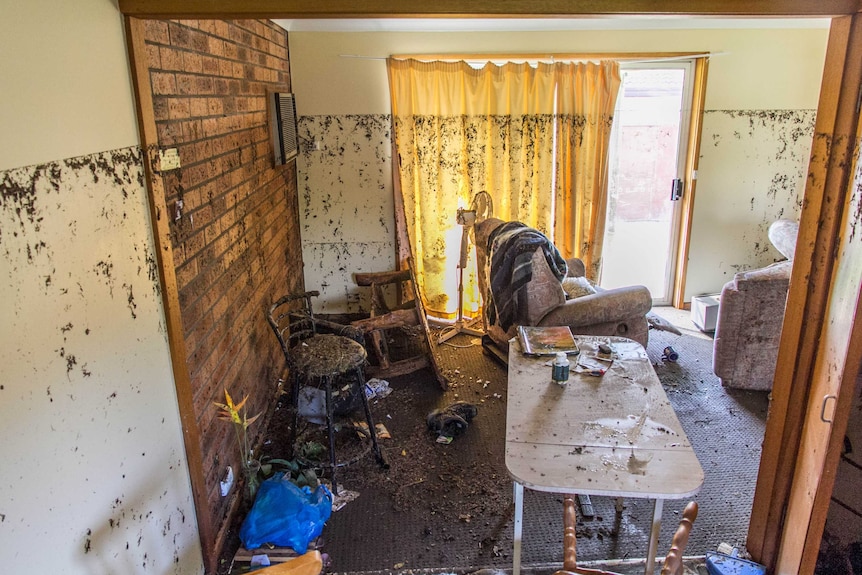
point(750, 317)
point(543, 302)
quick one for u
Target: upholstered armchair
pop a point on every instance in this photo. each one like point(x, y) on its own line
point(543, 301)
point(751, 315)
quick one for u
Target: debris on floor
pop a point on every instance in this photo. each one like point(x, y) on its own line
point(245, 560)
point(377, 388)
point(312, 404)
point(586, 506)
point(718, 563)
point(343, 498)
point(424, 499)
point(379, 429)
point(451, 421)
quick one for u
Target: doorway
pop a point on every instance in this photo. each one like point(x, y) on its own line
point(645, 179)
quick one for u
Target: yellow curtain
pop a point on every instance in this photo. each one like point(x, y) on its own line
point(533, 137)
point(587, 94)
point(460, 131)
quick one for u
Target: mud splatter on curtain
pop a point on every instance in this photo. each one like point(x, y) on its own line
point(460, 131)
point(586, 100)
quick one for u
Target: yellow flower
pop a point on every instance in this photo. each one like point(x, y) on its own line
point(230, 412)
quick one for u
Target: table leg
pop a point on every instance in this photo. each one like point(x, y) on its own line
point(658, 506)
point(519, 524)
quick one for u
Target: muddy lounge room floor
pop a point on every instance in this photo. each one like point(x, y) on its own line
point(133, 294)
point(449, 507)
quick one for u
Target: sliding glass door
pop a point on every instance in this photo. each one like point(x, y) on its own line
point(645, 181)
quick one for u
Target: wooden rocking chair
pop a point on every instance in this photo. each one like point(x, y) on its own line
point(672, 562)
point(407, 312)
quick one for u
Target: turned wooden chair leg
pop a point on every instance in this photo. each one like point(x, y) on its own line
point(570, 521)
point(673, 560)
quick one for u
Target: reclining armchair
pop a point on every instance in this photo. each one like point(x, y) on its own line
point(751, 315)
point(543, 301)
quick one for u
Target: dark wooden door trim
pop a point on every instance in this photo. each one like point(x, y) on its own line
point(221, 9)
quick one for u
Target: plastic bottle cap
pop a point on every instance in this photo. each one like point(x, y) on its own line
point(561, 358)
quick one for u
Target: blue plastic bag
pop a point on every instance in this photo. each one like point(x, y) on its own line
point(285, 515)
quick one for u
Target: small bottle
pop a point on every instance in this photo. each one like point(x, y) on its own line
point(560, 369)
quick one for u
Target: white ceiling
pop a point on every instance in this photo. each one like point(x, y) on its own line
point(538, 24)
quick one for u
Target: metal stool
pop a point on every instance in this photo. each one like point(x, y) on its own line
point(321, 360)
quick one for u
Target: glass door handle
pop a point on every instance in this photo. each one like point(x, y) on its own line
point(676, 190)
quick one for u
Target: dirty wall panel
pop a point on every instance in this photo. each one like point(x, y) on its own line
point(752, 172)
point(91, 431)
point(346, 206)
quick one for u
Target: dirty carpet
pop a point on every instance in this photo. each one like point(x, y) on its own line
point(449, 507)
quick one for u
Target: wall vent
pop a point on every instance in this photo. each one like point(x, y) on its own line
point(285, 144)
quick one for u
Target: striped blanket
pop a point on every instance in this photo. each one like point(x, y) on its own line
point(511, 248)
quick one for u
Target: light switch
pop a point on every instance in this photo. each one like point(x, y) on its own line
point(169, 159)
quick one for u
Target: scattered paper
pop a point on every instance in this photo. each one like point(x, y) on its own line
point(259, 561)
point(377, 388)
point(343, 498)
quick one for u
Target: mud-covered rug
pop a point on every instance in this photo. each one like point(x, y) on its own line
point(449, 507)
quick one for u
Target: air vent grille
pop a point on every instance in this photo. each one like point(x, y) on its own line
point(284, 139)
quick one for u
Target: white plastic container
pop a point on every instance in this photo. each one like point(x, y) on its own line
point(704, 311)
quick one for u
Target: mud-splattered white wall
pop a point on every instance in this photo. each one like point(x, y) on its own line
point(762, 91)
point(735, 207)
point(94, 478)
point(346, 206)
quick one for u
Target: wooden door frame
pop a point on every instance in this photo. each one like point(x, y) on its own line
point(819, 227)
point(140, 76)
point(692, 159)
point(810, 289)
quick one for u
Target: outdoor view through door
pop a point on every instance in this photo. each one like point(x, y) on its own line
point(647, 152)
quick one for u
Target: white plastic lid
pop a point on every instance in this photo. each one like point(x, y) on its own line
point(561, 358)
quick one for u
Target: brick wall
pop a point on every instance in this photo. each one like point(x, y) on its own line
point(236, 238)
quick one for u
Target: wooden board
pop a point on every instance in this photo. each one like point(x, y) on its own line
point(276, 554)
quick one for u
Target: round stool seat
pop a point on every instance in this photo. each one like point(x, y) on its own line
point(327, 356)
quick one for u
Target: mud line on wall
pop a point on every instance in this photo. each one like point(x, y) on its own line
point(772, 149)
point(30, 194)
point(76, 268)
